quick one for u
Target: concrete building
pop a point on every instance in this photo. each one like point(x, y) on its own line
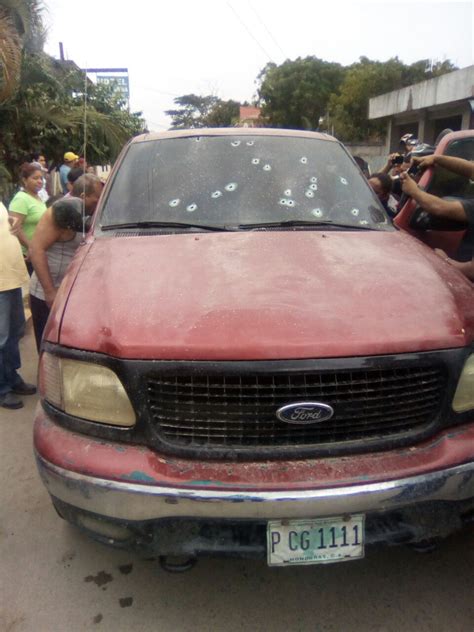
point(426, 108)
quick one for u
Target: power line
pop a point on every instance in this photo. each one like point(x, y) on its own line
point(158, 124)
point(267, 30)
point(249, 32)
point(169, 94)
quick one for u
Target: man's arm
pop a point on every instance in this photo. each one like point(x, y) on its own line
point(449, 209)
point(19, 220)
point(389, 164)
point(46, 234)
point(456, 165)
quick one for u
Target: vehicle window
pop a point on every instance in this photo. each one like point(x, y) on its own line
point(448, 184)
point(226, 180)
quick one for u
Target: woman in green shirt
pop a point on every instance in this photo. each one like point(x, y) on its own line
point(28, 207)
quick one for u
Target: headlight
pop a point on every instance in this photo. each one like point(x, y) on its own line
point(464, 397)
point(85, 390)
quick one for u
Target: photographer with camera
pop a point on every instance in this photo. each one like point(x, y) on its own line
point(457, 210)
point(394, 164)
point(399, 162)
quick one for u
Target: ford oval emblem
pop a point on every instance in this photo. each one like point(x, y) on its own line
point(305, 413)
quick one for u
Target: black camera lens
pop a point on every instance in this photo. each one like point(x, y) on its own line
point(397, 160)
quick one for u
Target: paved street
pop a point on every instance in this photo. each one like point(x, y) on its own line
point(53, 579)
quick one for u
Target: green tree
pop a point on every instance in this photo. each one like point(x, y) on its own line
point(192, 111)
point(296, 94)
point(223, 114)
point(196, 111)
point(366, 79)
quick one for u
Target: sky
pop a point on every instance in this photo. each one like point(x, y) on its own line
point(219, 47)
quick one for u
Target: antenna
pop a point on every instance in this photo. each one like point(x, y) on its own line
point(84, 153)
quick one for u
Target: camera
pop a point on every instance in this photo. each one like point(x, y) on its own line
point(413, 170)
point(397, 160)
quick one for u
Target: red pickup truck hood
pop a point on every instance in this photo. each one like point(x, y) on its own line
point(265, 295)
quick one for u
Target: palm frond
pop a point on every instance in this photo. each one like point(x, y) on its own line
point(27, 16)
point(20, 12)
point(10, 56)
point(101, 126)
point(38, 69)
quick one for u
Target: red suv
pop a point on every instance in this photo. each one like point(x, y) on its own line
point(247, 358)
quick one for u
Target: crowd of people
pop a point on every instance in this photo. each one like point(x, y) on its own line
point(396, 182)
point(39, 235)
point(387, 183)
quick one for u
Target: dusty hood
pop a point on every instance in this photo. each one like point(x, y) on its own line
point(265, 295)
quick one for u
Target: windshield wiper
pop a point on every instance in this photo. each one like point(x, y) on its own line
point(153, 224)
point(302, 222)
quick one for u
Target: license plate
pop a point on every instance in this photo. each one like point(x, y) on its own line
point(318, 541)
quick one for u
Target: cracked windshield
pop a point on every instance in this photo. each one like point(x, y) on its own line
point(241, 180)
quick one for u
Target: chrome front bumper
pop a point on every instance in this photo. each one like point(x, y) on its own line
point(138, 502)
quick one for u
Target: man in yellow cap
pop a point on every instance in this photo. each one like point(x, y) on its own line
point(70, 159)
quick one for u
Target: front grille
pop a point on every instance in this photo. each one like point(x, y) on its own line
point(238, 411)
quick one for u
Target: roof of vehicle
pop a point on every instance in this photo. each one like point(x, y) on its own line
point(232, 131)
point(452, 136)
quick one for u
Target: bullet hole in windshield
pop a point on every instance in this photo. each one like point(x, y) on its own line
point(313, 187)
point(250, 143)
point(304, 160)
point(255, 161)
point(267, 168)
point(314, 180)
point(235, 143)
point(344, 181)
point(355, 212)
point(175, 203)
point(317, 212)
point(216, 194)
point(309, 194)
point(364, 222)
point(198, 138)
point(191, 208)
point(231, 187)
point(287, 202)
point(288, 193)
